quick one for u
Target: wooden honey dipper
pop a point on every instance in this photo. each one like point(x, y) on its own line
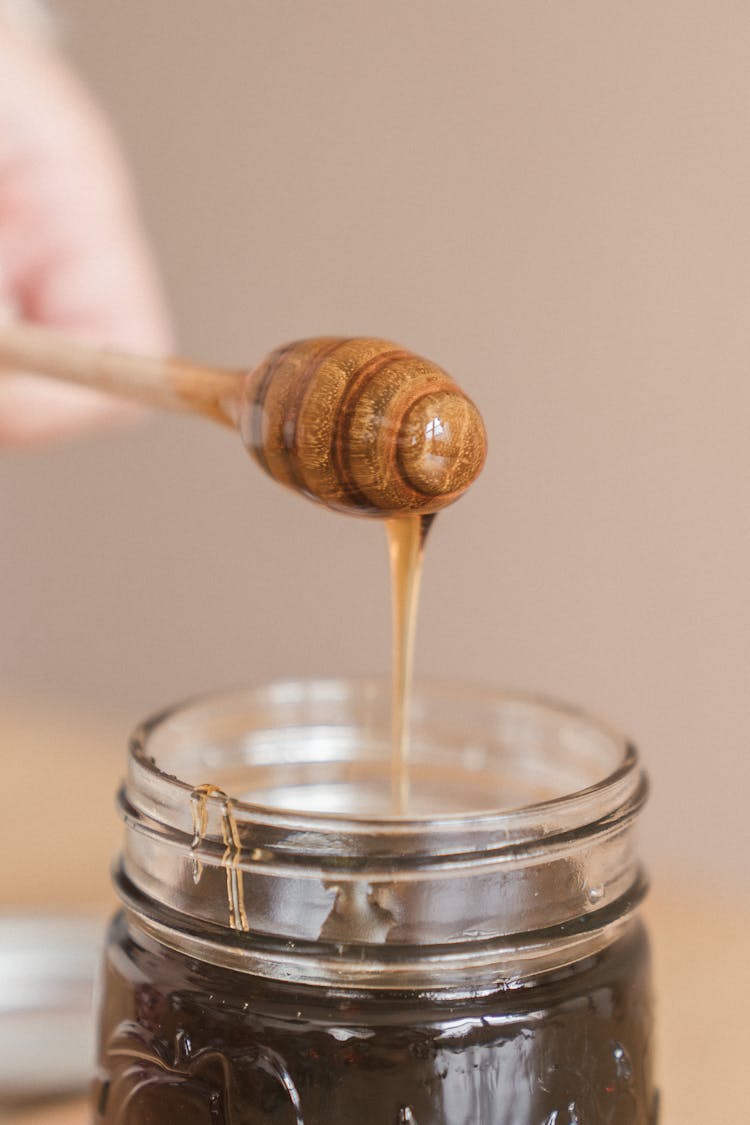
point(357, 424)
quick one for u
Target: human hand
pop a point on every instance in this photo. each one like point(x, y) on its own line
point(72, 253)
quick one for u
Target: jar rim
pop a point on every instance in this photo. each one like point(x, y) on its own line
point(608, 789)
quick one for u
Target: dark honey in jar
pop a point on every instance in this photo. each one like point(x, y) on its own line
point(289, 951)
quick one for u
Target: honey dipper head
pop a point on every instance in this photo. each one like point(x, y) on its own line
point(363, 426)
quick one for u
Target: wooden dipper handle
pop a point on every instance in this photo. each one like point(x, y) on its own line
point(363, 426)
point(172, 384)
point(358, 424)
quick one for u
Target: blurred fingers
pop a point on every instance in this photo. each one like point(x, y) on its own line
point(73, 254)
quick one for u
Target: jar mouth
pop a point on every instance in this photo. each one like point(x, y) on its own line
point(267, 813)
point(226, 742)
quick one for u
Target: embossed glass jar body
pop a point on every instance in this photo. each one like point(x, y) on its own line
point(293, 953)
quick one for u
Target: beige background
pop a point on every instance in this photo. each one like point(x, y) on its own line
point(551, 200)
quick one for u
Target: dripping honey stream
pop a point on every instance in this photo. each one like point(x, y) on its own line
point(406, 540)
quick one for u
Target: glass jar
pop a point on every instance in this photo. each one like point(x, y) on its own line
point(289, 952)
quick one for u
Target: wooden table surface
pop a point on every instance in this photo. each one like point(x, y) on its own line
point(699, 933)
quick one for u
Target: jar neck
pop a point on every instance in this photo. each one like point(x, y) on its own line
point(528, 862)
point(467, 968)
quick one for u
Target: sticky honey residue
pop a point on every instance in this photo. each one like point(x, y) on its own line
point(230, 860)
point(199, 808)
